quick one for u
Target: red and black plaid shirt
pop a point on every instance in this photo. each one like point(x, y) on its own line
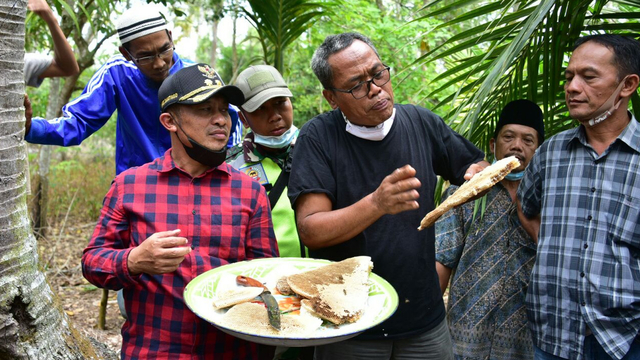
point(225, 216)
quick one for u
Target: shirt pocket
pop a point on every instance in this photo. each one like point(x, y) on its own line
point(624, 223)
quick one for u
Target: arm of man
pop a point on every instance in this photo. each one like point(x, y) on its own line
point(444, 273)
point(450, 239)
point(64, 61)
point(80, 118)
point(110, 262)
point(319, 226)
point(530, 225)
point(529, 197)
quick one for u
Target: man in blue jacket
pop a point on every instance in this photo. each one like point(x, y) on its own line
point(127, 83)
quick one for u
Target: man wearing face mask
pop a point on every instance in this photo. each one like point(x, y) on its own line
point(265, 153)
point(167, 221)
point(580, 198)
point(489, 254)
point(363, 177)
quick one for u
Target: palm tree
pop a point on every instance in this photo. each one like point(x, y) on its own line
point(281, 22)
point(32, 321)
point(517, 49)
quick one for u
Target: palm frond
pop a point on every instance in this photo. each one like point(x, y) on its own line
point(280, 22)
point(516, 49)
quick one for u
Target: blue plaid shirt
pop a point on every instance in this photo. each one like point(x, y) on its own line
point(587, 271)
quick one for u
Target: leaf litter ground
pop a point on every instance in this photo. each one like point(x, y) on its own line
point(60, 256)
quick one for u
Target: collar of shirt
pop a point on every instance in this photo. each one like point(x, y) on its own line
point(630, 135)
point(166, 164)
point(252, 155)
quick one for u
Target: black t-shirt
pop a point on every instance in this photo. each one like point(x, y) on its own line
point(346, 168)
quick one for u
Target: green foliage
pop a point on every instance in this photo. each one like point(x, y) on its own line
point(247, 55)
point(280, 22)
point(516, 49)
point(38, 98)
point(396, 39)
point(78, 182)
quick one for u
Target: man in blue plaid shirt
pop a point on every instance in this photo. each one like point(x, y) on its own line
point(580, 198)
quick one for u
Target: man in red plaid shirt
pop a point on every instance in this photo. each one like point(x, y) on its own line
point(167, 221)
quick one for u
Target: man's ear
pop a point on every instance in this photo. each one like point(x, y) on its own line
point(243, 119)
point(492, 146)
point(125, 53)
point(630, 85)
point(331, 98)
point(168, 122)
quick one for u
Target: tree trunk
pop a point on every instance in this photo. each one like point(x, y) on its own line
point(214, 43)
point(32, 323)
point(44, 161)
point(57, 97)
point(234, 46)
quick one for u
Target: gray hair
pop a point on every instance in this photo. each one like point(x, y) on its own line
point(331, 45)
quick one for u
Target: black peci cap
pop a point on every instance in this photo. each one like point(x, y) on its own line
point(522, 112)
point(196, 84)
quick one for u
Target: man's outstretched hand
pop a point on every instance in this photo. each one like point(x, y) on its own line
point(398, 191)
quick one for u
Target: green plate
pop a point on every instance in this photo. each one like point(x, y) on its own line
point(199, 293)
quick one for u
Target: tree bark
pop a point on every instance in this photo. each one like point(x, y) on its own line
point(44, 161)
point(32, 323)
point(234, 46)
point(214, 43)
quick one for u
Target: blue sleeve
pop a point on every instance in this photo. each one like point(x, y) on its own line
point(82, 116)
point(235, 137)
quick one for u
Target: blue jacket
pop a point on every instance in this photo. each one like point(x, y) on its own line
point(117, 85)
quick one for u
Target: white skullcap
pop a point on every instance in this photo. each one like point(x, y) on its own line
point(139, 21)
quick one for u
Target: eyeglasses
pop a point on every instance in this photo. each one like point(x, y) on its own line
point(146, 60)
point(360, 90)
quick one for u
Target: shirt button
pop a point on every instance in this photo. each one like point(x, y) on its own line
point(593, 189)
point(589, 217)
point(581, 274)
point(586, 246)
point(583, 303)
point(193, 212)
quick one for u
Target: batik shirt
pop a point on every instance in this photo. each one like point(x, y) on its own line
point(491, 259)
point(225, 216)
point(587, 272)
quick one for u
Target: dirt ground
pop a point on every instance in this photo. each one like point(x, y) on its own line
point(60, 256)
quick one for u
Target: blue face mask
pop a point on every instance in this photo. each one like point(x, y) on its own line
point(276, 142)
point(512, 176)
